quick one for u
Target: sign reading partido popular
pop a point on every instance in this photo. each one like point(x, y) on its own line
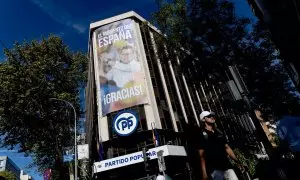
point(122, 161)
point(125, 123)
point(137, 157)
point(120, 67)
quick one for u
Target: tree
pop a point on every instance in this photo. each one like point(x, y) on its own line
point(7, 175)
point(33, 73)
point(211, 32)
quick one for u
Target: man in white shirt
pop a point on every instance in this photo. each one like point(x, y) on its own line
point(123, 70)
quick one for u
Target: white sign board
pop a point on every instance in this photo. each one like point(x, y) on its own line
point(137, 157)
point(83, 151)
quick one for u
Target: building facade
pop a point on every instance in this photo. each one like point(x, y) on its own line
point(141, 100)
point(6, 164)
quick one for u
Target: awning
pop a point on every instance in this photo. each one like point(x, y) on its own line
point(137, 157)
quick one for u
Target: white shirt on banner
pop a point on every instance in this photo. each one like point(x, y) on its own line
point(122, 73)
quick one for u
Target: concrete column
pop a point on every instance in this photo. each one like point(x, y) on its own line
point(151, 110)
point(216, 94)
point(199, 100)
point(202, 89)
point(103, 128)
point(178, 92)
point(190, 99)
point(176, 86)
point(164, 83)
point(211, 96)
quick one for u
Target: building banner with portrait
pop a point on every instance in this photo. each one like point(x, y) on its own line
point(120, 67)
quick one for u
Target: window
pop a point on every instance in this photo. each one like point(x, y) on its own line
point(2, 163)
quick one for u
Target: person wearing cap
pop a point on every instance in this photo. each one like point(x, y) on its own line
point(214, 151)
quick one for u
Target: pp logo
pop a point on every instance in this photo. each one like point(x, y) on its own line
point(125, 123)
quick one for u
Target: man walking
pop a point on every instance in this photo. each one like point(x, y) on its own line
point(214, 151)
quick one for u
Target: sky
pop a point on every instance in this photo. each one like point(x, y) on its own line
point(33, 19)
point(24, 20)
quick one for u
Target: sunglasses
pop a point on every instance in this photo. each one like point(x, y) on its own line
point(210, 116)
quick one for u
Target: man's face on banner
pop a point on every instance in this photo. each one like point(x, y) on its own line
point(126, 55)
point(108, 61)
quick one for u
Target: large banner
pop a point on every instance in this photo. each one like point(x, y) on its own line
point(122, 79)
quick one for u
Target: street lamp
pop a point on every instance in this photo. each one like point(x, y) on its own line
point(75, 135)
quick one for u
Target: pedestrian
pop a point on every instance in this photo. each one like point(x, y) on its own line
point(214, 151)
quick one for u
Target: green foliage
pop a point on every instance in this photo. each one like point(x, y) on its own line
point(7, 175)
point(171, 18)
point(85, 173)
point(249, 160)
point(34, 73)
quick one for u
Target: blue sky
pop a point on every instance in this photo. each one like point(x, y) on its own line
point(32, 19)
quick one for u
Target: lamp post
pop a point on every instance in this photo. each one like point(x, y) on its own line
point(75, 135)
